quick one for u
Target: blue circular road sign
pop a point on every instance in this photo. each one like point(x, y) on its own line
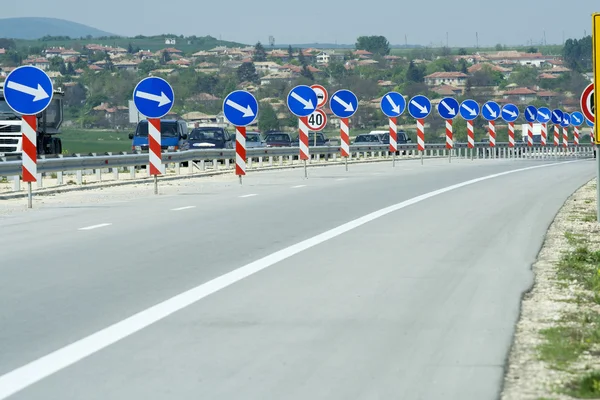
point(302, 101)
point(343, 103)
point(393, 104)
point(510, 113)
point(28, 90)
point(490, 111)
point(544, 115)
point(240, 108)
point(469, 110)
point(448, 108)
point(419, 107)
point(577, 118)
point(566, 120)
point(153, 97)
point(531, 114)
point(557, 117)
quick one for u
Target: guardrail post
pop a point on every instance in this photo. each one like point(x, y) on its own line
point(79, 175)
point(177, 168)
point(202, 165)
point(270, 161)
point(227, 163)
point(215, 164)
point(17, 183)
point(281, 161)
point(260, 162)
point(132, 172)
point(59, 178)
point(334, 157)
point(99, 174)
point(291, 159)
point(40, 180)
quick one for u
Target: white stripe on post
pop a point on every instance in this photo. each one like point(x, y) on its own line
point(345, 137)
point(28, 129)
point(393, 135)
point(240, 150)
point(303, 138)
point(470, 134)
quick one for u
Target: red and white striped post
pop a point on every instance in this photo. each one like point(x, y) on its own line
point(303, 141)
point(492, 137)
point(154, 150)
point(345, 139)
point(449, 139)
point(421, 137)
point(565, 137)
point(544, 134)
point(29, 168)
point(556, 135)
point(576, 136)
point(511, 135)
point(592, 135)
point(530, 134)
point(470, 137)
point(393, 138)
point(240, 151)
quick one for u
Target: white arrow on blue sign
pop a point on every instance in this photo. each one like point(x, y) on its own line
point(153, 97)
point(448, 108)
point(469, 110)
point(510, 113)
point(566, 120)
point(393, 104)
point(302, 101)
point(490, 111)
point(544, 115)
point(343, 103)
point(240, 108)
point(419, 107)
point(28, 90)
point(531, 114)
point(557, 117)
point(577, 118)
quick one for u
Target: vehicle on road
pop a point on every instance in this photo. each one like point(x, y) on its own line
point(48, 125)
point(321, 140)
point(370, 138)
point(173, 133)
point(209, 137)
point(278, 139)
point(253, 140)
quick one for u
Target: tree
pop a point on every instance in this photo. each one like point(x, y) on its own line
point(307, 73)
point(267, 118)
point(7, 44)
point(130, 48)
point(70, 69)
point(259, 53)
point(63, 69)
point(463, 66)
point(414, 73)
point(247, 73)
point(301, 58)
point(578, 54)
point(146, 66)
point(462, 51)
point(290, 52)
point(373, 44)
point(165, 57)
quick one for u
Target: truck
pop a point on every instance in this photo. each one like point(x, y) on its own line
point(537, 133)
point(48, 125)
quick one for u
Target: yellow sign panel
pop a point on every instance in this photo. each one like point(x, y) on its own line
point(596, 62)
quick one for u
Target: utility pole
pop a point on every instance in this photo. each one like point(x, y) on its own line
point(477, 40)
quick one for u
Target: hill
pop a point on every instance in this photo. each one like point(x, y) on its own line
point(36, 28)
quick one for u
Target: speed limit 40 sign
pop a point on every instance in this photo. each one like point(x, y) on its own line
point(317, 120)
point(587, 103)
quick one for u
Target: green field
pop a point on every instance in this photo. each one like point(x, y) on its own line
point(81, 141)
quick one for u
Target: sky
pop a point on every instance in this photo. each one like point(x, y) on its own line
point(424, 22)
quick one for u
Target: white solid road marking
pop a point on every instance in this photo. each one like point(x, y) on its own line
point(89, 228)
point(20, 378)
point(182, 208)
point(248, 195)
point(298, 186)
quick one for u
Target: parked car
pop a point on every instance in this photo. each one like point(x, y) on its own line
point(253, 140)
point(278, 139)
point(321, 140)
point(209, 137)
point(172, 135)
point(370, 138)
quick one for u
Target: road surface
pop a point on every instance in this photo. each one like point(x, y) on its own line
point(376, 283)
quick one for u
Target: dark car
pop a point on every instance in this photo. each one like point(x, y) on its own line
point(321, 140)
point(278, 139)
point(369, 138)
point(208, 137)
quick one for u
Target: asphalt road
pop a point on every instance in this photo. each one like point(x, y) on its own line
point(360, 285)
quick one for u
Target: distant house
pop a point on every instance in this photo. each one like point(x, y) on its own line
point(447, 90)
point(446, 78)
point(126, 65)
point(512, 56)
point(521, 95)
point(113, 116)
point(41, 63)
point(170, 41)
point(2, 51)
point(323, 58)
point(483, 66)
point(286, 77)
point(266, 66)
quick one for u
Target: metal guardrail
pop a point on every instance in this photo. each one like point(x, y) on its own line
point(48, 164)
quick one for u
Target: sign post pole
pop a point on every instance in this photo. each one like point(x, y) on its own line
point(240, 109)
point(393, 105)
point(343, 105)
point(596, 63)
point(510, 113)
point(302, 101)
point(448, 109)
point(28, 91)
point(469, 110)
point(419, 108)
point(491, 112)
